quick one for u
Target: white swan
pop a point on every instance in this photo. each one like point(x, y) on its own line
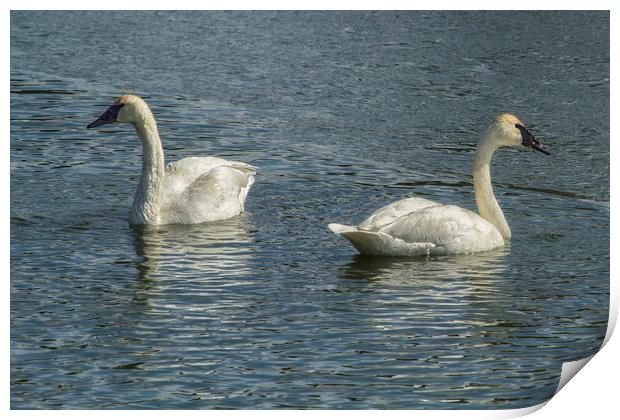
point(416, 226)
point(192, 190)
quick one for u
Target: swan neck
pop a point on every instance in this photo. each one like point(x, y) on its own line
point(147, 200)
point(488, 208)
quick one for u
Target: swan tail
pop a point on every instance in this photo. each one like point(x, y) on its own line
point(340, 229)
point(379, 243)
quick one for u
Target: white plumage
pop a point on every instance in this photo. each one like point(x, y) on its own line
point(191, 190)
point(416, 226)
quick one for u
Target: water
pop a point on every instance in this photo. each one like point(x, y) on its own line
point(342, 113)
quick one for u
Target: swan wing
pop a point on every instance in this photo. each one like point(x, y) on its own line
point(436, 230)
point(220, 191)
point(379, 243)
point(452, 230)
point(387, 214)
point(205, 189)
point(180, 175)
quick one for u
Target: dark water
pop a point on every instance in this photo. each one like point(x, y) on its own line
point(342, 113)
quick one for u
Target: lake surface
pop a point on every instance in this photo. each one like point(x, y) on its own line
point(342, 112)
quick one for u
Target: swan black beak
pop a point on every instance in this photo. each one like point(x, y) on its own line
point(108, 116)
point(528, 140)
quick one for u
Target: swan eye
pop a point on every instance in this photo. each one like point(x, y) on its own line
point(115, 108)
point(523, 130)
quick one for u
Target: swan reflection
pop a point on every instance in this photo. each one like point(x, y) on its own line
point(465, 294)
point(223, 249)
point(445, 268)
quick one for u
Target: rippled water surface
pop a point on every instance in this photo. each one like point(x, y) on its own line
point(342, 113)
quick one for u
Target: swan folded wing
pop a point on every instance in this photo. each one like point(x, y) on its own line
point(387, 214)
point(181, 174)
point(381, 244)
point(218, 194)
point(450, 228)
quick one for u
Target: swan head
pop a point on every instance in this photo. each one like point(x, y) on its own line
point(125, 109)
point(508, 131)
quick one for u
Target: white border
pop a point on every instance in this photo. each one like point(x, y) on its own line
point(594, 394)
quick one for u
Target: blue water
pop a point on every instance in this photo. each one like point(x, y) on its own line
point(342, 112)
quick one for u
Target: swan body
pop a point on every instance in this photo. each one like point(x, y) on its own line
point(191, 190)
point(417, 226)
